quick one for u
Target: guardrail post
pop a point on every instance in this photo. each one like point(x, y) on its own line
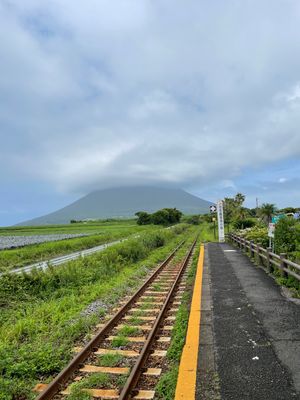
point(269, 264)
point(282, 265)
point(257, 252)
point(251, 249)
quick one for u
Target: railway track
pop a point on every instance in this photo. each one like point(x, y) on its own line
point(125, 358)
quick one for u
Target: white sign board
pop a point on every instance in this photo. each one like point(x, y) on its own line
point(271, 229)
point(220, 221)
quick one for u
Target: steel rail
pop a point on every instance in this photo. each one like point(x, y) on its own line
point(146, 350)
point(56, 385)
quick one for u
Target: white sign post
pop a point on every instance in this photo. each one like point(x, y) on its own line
point(220, 221)
point(271, 230)
point(271, 234)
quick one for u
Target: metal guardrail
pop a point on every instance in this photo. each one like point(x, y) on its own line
point(69, 257)
point(63, 259)
point(267, 257)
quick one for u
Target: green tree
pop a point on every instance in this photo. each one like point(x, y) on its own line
point(234, 210)
point(166, 216)
point(160, 217)
point(143, 218)
point(287, 210)
point(174, 215)
point(266, 211)
point(239, 199)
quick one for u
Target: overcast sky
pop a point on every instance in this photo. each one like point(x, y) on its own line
point(203, 95)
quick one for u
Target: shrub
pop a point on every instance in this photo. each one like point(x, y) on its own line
point(193, 219)
point(243, 223)
point(154, 240)
point(257, 234)
point(285, 236)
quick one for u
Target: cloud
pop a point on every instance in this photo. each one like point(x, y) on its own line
point(112, 93)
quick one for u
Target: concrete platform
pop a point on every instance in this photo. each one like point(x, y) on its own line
point(249, 333)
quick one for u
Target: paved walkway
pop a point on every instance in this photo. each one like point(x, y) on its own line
point(249, 334)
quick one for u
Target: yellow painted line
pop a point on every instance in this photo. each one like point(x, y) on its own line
point(186, 382)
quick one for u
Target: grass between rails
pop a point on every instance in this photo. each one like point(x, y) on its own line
point(43, 313)
point(166, 386)
point(14, 258)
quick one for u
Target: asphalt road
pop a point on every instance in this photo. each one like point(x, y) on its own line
point(256, 330)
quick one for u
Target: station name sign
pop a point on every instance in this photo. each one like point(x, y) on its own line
point(220, 215)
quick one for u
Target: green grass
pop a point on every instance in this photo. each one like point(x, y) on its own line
point(15, 258)
point(156, 287)
point(41, 313)
point(149, 300)
point(119, 341)
point(290, 282)
point(134, 320)
point(166, 386)
point(78, 394)
point(110, 360)
point(128, 330)
point(95, 380)
point(89, 227)
point(137, 314)
point(207, 232)
point(146, 305)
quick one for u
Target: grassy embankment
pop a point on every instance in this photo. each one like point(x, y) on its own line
point(20, 257)
point(42, 312)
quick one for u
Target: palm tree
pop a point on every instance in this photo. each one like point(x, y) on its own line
point(266, 211)
point(239, 199)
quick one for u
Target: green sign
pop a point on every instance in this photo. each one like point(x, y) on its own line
point(276, 218)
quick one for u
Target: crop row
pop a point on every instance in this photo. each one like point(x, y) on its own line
point(9, 242)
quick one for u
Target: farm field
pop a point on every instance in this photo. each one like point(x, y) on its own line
point(97, 234)
point(90, 227)
point(44, 314)
point(10, 242)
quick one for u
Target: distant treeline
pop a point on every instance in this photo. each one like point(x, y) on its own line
point(91, 221)
point(165, 216)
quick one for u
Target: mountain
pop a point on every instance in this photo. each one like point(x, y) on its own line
point(123, 203)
